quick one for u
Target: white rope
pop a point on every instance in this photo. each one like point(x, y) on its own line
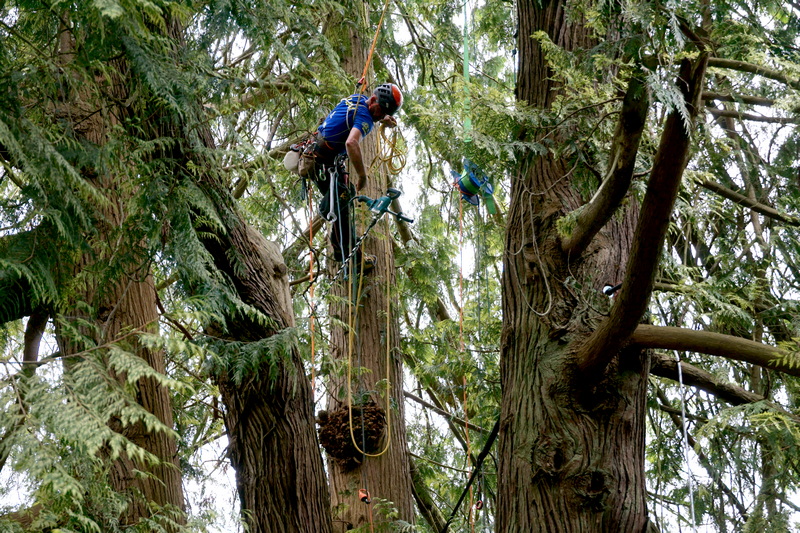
point(686, 443)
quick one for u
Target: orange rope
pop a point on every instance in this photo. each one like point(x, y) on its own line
point(371, 522)
point(363, 79)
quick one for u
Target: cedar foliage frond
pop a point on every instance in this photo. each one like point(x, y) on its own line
point(259, 361)
point(61, 434)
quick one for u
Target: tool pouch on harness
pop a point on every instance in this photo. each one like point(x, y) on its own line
point(307, 165)
point(314, 153)
point(301, 159)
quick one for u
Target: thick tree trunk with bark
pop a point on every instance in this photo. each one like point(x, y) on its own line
point(135, 302)
point(123, 304)
point(376, 334)
point(268, 414)
point(571, 453)
point(273, 444)
point(387, 477)
point(571, 449)
point(574, 383)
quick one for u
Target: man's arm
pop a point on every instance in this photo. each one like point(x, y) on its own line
point(352, 144)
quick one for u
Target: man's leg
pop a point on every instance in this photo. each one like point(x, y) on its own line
point(342, 231)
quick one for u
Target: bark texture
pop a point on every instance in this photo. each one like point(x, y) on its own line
point(136, 308)
point(387, 477)
point(571, 453)
point(124, 302)
point(269, 418)
point(273, 446)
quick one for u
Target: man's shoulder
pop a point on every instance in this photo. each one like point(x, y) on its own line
point(353, 99)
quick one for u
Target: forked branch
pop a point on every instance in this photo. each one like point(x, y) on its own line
point(662, 190)
point(594, 215)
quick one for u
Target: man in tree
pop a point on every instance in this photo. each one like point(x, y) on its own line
point(323, 159)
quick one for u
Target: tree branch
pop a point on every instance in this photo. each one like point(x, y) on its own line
point(707, 464)
point(25, 517)
point(594, 215)
point(304, 239)
point(448, 416)
point(740, 199)
point(458, 435)
point(34, 330)
point(707, 342)
point(662, 190)
point(741, 66)
point(667, 367)
point(440, 311)
point(749, 116)
point(402, 227)
point(15, 300)
point(33, 252)
point(261, 91)
point(422, 495)
point(738, 98)
point(476, 469)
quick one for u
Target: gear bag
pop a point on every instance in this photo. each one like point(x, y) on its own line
point(306, 157)
point(301, 159)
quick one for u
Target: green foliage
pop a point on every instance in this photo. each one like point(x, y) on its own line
point(83, 215)
point(60, 438)
point(250, 361)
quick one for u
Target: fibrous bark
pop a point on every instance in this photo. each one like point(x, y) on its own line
point(571, 454)
point(376, 334)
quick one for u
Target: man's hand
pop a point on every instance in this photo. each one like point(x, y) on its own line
point(389, 121)
point(362, 181)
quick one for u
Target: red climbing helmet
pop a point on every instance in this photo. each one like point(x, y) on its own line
point(389, 97)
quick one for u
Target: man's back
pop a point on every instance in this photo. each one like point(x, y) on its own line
point(351, 112)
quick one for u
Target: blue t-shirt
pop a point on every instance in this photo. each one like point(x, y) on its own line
point(351, 112)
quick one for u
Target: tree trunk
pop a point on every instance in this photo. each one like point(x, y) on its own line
point(268, 412)
point(376, 334)
point(571, 452)
point(273, 446)
point(136, 309)
point(124, 302)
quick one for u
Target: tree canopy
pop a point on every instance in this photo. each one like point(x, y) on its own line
point(141, 144)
